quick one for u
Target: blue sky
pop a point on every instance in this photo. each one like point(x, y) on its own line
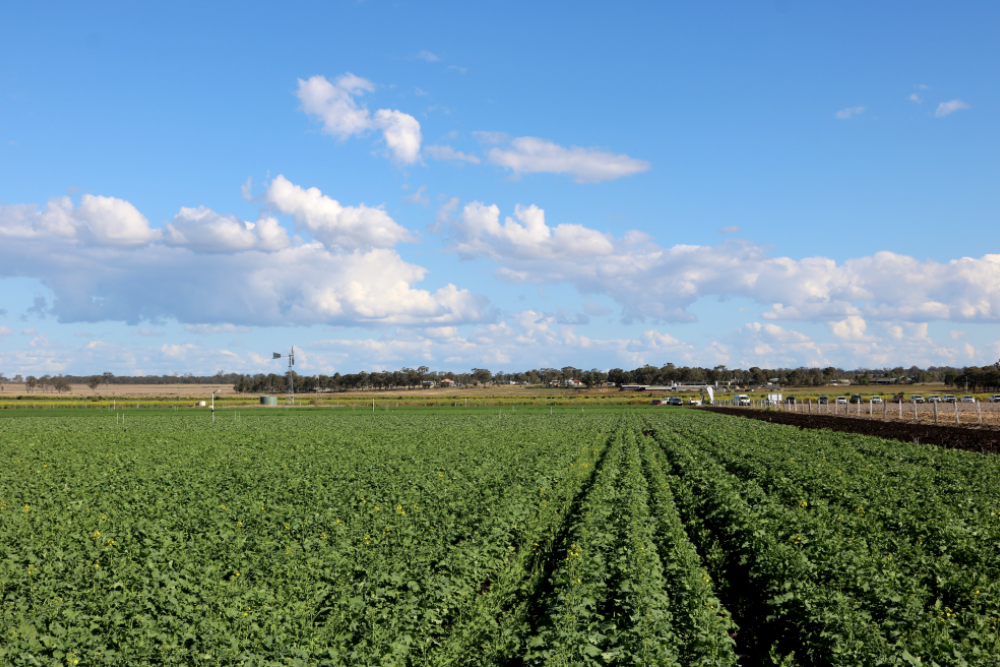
point(504, 185)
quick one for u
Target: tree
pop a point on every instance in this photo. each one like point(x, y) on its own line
point(108, 377)
point(481, 375)
point(594, 377)
point(94, 382)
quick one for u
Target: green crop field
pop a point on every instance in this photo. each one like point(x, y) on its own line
point(486, 536)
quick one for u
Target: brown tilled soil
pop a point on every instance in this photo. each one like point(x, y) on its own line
point(956, 437)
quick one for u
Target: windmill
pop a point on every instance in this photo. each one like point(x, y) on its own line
point(291, 362)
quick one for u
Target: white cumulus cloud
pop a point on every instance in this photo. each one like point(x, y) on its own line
point(478, 231)
point(336, 105)
point(347, 227)
point(104, 221)
point(205, 230)
point(530, 155)
point(352, 277)
point(652, 281)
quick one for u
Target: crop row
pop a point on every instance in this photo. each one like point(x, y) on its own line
point(840, 549)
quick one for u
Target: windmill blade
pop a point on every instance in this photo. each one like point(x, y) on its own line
point(276, 355)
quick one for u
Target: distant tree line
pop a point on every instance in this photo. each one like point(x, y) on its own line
point(410, 378)
point(985, 378)
point(61, 383)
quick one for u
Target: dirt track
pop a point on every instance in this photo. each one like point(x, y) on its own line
point(955, 437)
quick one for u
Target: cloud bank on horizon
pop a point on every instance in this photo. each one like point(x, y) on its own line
point(428, 208)
point(104, 262)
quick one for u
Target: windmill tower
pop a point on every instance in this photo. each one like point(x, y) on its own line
point(291, 362)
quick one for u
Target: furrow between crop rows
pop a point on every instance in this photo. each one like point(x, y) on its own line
point(832, 562)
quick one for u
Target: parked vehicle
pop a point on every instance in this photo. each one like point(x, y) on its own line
point(898, 398)
point(841, 400)
point(675, 400)
point(995, 398)
point(933, 398)
point(877, 400)
point(694, 401)
point(656, 401)
point(742, 400)
point(949, 398)
point(968, 399)
point(855, 398)
point(917, 398)
point(822, 400)
point(791, 400)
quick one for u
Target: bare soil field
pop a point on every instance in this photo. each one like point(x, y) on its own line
point(12, 390)
point(984, 439)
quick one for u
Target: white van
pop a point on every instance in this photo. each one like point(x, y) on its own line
point(742, 399)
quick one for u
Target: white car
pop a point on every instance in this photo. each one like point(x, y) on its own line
point(742, 400)
point(948, 398)
point(841, 400)
point(995, 398)
point(933, 398)
point(968, 399)
point(917, 398)
point(876, 399)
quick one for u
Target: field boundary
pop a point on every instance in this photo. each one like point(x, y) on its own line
point(982, 440)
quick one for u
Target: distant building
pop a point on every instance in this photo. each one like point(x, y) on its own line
point(447, 382)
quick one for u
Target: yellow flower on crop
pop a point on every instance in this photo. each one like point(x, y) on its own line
point(323, 536)
point(239, 523)
point(97, 533)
